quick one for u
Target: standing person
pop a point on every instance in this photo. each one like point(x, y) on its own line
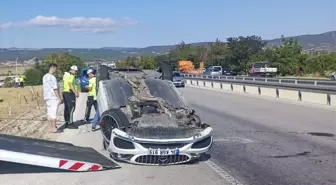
point(52, 97)
point(92, 98)
point(95, 121)
point(69, 95)
point(17, 82)
point(21, 81)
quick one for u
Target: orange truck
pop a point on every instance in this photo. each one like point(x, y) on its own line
point(188, 67)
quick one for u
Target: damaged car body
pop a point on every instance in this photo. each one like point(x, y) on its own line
point(146, 120)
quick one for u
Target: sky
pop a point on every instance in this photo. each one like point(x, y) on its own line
point(141, 23)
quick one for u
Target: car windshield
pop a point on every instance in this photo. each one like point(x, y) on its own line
point(176, 74)
point(216, 69)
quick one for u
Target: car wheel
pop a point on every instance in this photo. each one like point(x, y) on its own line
point(105, 144)
point(110, 119)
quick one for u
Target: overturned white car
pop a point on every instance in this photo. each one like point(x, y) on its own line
point(146, 121)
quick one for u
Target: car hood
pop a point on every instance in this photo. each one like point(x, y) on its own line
point(177, 78)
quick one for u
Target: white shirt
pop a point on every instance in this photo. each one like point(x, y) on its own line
point(49, 85)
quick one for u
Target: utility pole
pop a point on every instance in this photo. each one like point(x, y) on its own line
point(16, 66)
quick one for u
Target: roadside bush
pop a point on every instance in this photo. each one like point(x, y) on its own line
point(9, 82)
point(33, 77)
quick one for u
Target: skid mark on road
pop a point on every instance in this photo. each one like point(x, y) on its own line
point(233, 140)
point(222, 173)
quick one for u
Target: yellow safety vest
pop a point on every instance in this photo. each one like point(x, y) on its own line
point(68, 77)
point(92, 88)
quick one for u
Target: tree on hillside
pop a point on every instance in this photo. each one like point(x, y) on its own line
point(323, 64)
point(242, 48)
point(147, 62)
point(64, 61)
point(187, 52)
point(288, 56)
point(219, 54)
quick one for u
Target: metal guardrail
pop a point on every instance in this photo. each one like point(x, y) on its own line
point(273, 80)
point(309, 85)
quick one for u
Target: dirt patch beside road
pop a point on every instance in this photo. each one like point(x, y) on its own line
point(23, 113)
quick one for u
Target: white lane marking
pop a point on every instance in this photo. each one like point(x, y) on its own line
point(233, 139)
point(222, 173)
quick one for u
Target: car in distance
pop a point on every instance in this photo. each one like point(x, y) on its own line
point(178, 79)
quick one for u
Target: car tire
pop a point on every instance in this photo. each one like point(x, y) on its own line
point(102, 74)
point(110, 119)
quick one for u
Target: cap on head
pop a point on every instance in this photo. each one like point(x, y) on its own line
point(75, 68)
point(89, 71)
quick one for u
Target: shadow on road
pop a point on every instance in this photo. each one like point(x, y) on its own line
point(75, 125)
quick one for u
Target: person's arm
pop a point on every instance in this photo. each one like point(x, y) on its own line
point(56, 89)
point(72, 78)
point(90, 85)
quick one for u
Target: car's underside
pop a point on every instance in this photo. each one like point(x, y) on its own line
point(146, 121)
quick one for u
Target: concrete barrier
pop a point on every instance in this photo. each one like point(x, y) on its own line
point(294, 95)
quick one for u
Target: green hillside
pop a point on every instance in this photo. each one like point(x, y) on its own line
point(318, 42)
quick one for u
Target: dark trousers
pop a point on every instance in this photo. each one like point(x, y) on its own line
point(89, 103)
point(69, 99)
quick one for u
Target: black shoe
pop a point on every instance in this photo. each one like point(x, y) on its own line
point(70, 126)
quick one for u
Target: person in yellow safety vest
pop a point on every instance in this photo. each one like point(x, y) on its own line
point(69, 95)
point(21, 80)
point(92, 98)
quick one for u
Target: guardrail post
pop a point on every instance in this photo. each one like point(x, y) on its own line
point(315, 83)
point(295, 81)
point(265, 79)
point(231, 87)
point(225, 77)
point(211, 84)
point(234, 78)
point(243, 78)
point(191, 82)
point(277, 92)
point(259, 90)
point(219, 77)
point(244, 88)
point(253, 79)
point(328, 99)
point(197, 82)
point(279, 81)
point(221, 85)
point(203, 83)
point(300, 95)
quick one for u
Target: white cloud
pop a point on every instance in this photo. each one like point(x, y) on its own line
point(76, 24)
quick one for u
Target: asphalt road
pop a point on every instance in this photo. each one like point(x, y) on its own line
point(262, 142)
point(256, 141)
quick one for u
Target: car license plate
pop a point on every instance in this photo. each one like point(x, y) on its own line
point(163, 151)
